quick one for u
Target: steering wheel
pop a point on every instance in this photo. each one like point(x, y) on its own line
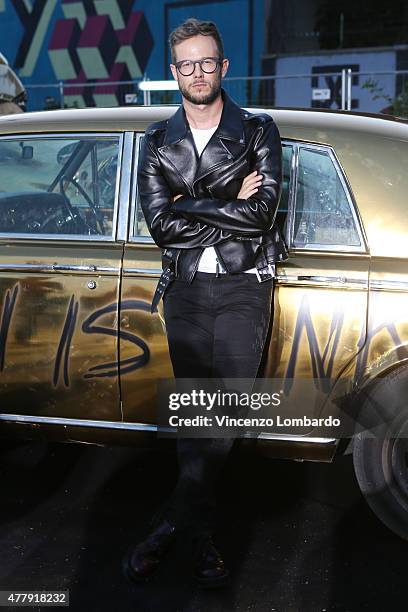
point(98, 227)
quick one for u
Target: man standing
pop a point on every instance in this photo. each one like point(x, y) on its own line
point(209, 185)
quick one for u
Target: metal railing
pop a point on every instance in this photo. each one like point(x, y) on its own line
point(347, 90)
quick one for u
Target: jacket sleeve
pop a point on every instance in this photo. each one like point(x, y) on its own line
point(256, 214)
point(167, 227)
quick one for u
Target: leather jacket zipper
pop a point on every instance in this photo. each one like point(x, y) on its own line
point(220, 259)
point(196, 266)
point(228, 173)
point(176, 263)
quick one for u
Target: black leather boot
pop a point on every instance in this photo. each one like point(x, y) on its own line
point(209, 568)
point(144, 560)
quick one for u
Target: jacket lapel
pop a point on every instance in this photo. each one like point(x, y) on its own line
point(225, 145)
point(178, 147)
point(227, 142)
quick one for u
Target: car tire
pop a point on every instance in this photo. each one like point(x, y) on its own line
point(380, 452)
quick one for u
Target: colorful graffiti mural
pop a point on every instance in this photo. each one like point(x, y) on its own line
point(91, 45)
point(95, 40)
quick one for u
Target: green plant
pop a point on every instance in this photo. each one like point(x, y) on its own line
point(398, 104)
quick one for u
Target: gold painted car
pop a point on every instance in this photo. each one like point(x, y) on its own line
point(80, 353)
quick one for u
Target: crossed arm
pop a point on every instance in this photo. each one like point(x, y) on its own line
point(189, 223)
point(167, 227)
point(254, 209)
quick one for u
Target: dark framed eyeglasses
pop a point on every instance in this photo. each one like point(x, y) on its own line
point(207, 64)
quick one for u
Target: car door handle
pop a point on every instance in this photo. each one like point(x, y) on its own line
point(83, 268)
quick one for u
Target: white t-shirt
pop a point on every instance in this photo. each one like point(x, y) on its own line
point(208, 261)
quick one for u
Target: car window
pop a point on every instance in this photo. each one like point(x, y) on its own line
point(281, 215)
point(58, 185)
point(323, 210)
point(139, 223)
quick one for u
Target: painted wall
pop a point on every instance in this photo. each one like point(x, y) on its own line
point(77, 41)
point(102, 41)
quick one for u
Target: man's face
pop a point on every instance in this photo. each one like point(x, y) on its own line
point(200, 87)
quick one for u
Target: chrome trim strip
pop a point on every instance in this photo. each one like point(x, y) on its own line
point(332, 279)
point(134, 238)
point(24, 418)
point(338, 281)
point(306, 440)
point(26, 268)
point(149, 272)
point(281, 278)
point(56, 268)
point(66, 136)
point(57, 237)
point(388, 285)
point(292, 193)
point(60, 135)
point(285, 277)
point(337, 248)
point(145, 240)
point(137, 141)
point(292, 202)
point(79, 268)
point(125, 187)
point(117, 184)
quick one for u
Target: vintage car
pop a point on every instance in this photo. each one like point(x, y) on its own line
point(80, 352)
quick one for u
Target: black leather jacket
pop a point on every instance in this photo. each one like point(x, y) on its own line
point(209, 213)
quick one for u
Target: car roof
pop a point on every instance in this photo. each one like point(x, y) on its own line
point(139, 117)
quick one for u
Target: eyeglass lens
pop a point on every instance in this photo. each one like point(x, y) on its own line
point(207, 65)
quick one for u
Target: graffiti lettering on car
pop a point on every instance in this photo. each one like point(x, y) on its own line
point(6, 316)
point(124, 366)
point(65, 343)
point(322, 364)
point(322, 361)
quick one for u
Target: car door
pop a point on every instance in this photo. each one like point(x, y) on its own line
point(60, 264)
point(320, 302)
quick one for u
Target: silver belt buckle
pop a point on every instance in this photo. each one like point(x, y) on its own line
point(266, 276)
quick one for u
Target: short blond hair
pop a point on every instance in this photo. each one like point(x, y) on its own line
point(193, 27)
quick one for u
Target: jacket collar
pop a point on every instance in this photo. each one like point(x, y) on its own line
point(230, 126)
point(225, 146)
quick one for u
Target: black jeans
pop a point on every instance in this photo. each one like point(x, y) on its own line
point(216, 327)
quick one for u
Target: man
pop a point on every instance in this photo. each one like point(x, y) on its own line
point(209, 186)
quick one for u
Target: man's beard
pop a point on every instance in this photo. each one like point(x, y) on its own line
point(200, 98)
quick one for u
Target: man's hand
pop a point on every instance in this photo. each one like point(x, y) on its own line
point(176, 197)
point(250, 185)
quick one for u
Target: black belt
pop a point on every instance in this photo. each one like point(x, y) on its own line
point(167, 276)
point(263, 273)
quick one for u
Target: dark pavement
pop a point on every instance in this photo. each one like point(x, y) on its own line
point(297, 536)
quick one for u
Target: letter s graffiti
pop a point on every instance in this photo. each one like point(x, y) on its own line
point(125, 366)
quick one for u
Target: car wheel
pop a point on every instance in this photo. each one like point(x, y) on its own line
point(380, 452)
